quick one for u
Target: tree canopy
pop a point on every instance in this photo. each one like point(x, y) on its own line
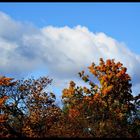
point(104, 108)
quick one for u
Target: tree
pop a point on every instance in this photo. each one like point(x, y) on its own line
point(106, 106)
point(5, 82)
point(135, 119)
point(28, 107)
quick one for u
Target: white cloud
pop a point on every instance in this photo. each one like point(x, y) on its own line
point(62, 51)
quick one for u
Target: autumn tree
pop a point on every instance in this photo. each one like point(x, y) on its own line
point(67, 128)
point(106, 106)
point(5, 82)
point(135, 118)
point(29, 106)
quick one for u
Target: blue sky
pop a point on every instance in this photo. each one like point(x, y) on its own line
point(62, 27)
point(119, 20)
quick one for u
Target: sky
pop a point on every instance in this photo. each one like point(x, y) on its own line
point(61, 39)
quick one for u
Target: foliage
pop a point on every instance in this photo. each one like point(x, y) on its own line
point(27, 107)
point(104, 108)
point(4, 82)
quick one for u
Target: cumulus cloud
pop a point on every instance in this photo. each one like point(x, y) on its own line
point(62, 51)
